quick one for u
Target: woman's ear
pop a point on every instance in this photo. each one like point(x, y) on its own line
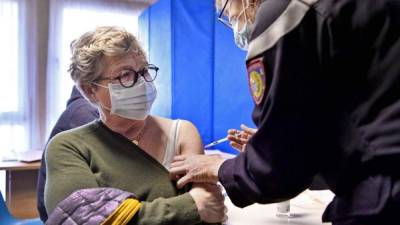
point(89, 91)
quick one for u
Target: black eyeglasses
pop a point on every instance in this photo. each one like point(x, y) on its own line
point(222, 18)
point(128, 77)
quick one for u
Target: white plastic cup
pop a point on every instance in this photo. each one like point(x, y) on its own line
point(283, 209)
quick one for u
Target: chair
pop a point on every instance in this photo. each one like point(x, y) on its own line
point(7, 219)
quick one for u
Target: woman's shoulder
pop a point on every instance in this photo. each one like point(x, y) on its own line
point(166, 123)
point(161, 120)
point(76, 133)
point(76, 140)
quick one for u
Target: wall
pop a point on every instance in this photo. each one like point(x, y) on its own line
point(155, 35)
point(202, 72)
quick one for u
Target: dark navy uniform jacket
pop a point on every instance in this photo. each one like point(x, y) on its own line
point(325, 79)
point(78, 112)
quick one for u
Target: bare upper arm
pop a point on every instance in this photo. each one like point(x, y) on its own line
point(189, 139)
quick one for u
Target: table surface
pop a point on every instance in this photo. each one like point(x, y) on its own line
point(17, 165)
point(306, 208)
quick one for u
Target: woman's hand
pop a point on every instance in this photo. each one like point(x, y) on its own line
point(210, 202)
point(239, 138)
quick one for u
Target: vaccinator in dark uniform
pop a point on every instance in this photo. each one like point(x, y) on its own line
point(325, 79)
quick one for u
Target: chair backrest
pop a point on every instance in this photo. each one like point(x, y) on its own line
point(7, 219)
point(4, 213)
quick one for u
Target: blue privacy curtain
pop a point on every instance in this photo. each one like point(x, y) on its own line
point(202, 73)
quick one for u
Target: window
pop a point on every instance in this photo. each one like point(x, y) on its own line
point(13, 97)
point(9, 57)
point(13, 127)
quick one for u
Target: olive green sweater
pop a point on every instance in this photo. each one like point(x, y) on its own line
point(94, 156)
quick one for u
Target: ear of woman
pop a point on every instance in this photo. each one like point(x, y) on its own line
point(89, 91)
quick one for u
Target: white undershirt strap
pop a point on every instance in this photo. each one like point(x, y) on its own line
point(172, 145)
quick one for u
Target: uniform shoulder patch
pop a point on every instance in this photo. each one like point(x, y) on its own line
point(257, 80)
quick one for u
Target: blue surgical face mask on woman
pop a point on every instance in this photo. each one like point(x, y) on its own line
point(133, 102)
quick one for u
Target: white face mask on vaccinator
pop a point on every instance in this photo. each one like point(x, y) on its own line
point(242, 36)
point(134, 102)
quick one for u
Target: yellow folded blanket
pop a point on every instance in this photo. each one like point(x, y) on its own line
point(124, 213)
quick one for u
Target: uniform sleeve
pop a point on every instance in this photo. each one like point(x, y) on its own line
point(282, 157)
point(68, 171)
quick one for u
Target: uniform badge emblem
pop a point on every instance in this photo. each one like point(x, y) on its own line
point(257, 79)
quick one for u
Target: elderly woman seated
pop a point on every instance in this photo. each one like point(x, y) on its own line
point(126, 153)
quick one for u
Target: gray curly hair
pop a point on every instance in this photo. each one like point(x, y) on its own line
point(89, 50)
